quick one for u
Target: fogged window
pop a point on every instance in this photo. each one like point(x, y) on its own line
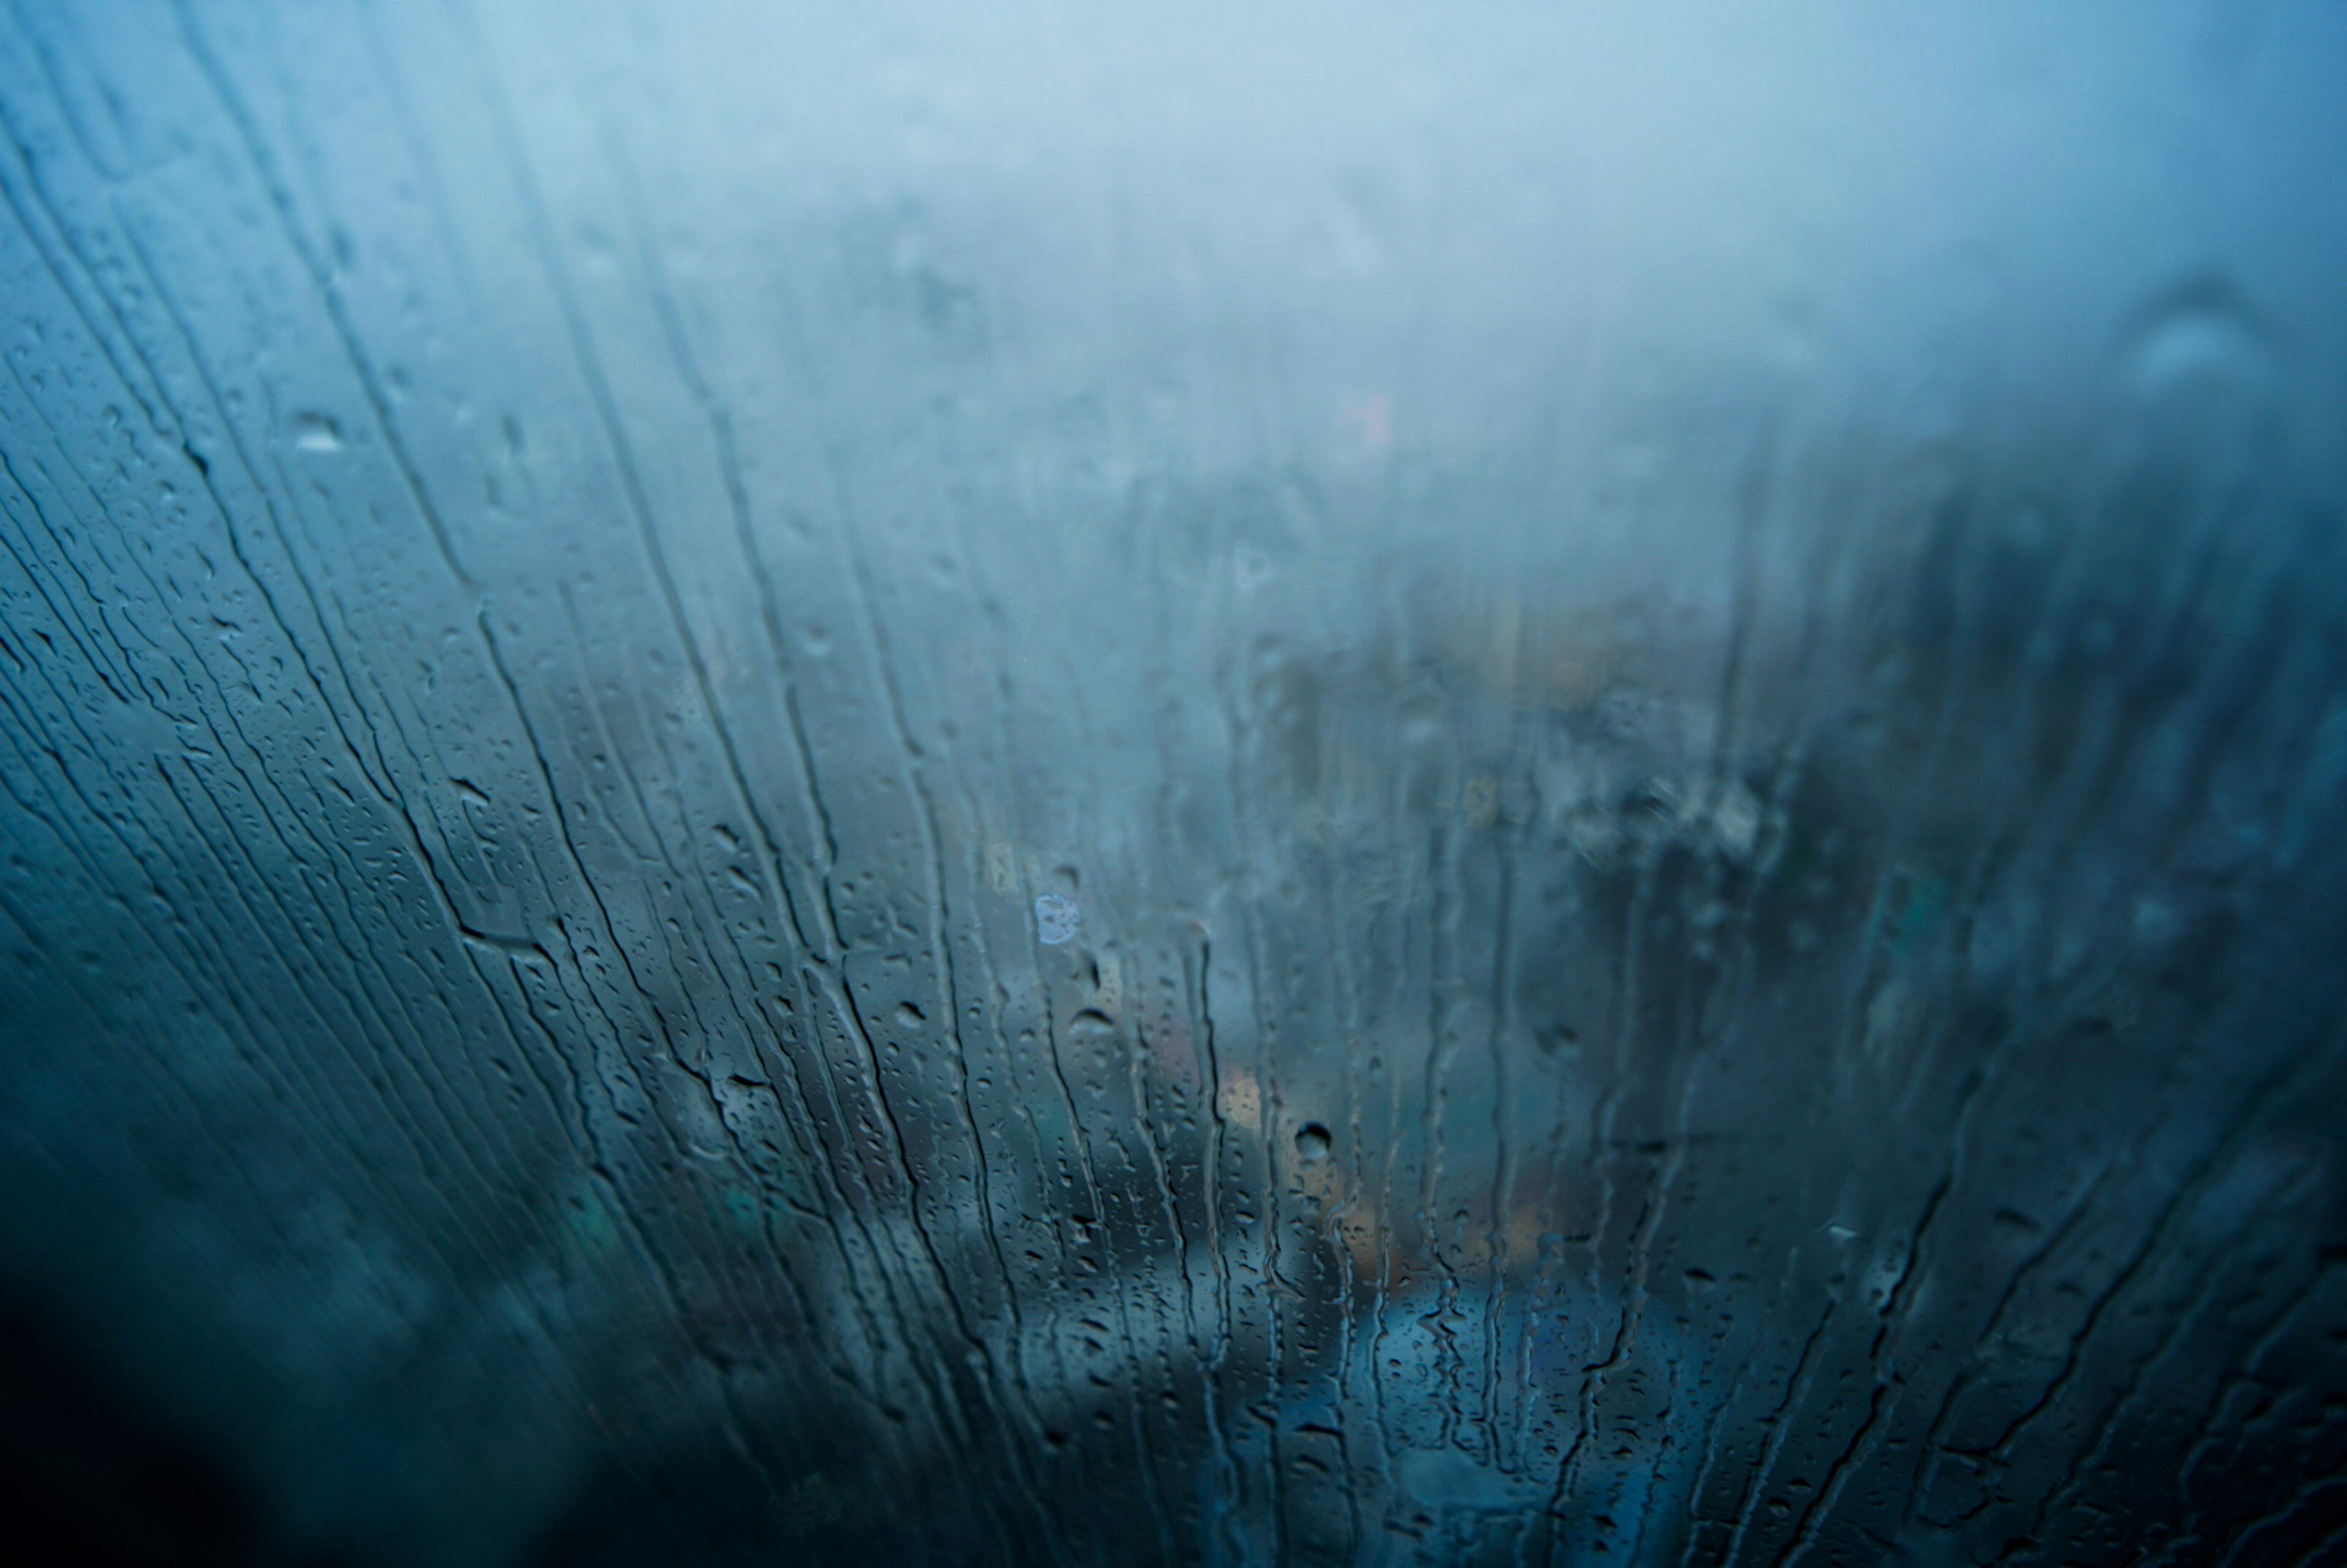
point(1053, 784)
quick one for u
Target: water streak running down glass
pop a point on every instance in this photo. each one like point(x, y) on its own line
point(1040, 783)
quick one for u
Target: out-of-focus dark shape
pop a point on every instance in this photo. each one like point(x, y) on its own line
point(86, 1479)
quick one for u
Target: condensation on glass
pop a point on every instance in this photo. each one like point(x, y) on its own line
point(1042, 783)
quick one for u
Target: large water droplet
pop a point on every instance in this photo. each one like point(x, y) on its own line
point(1056, 919)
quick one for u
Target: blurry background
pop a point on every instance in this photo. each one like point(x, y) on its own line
point(1371, 784)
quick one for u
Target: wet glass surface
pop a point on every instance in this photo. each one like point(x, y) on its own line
point(1039, 784)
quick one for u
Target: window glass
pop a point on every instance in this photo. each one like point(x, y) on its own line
point(1374, 783)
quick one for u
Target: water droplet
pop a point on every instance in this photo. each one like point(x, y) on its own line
point(1056, 919)
point(1312, 1143)
point(317, 433)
